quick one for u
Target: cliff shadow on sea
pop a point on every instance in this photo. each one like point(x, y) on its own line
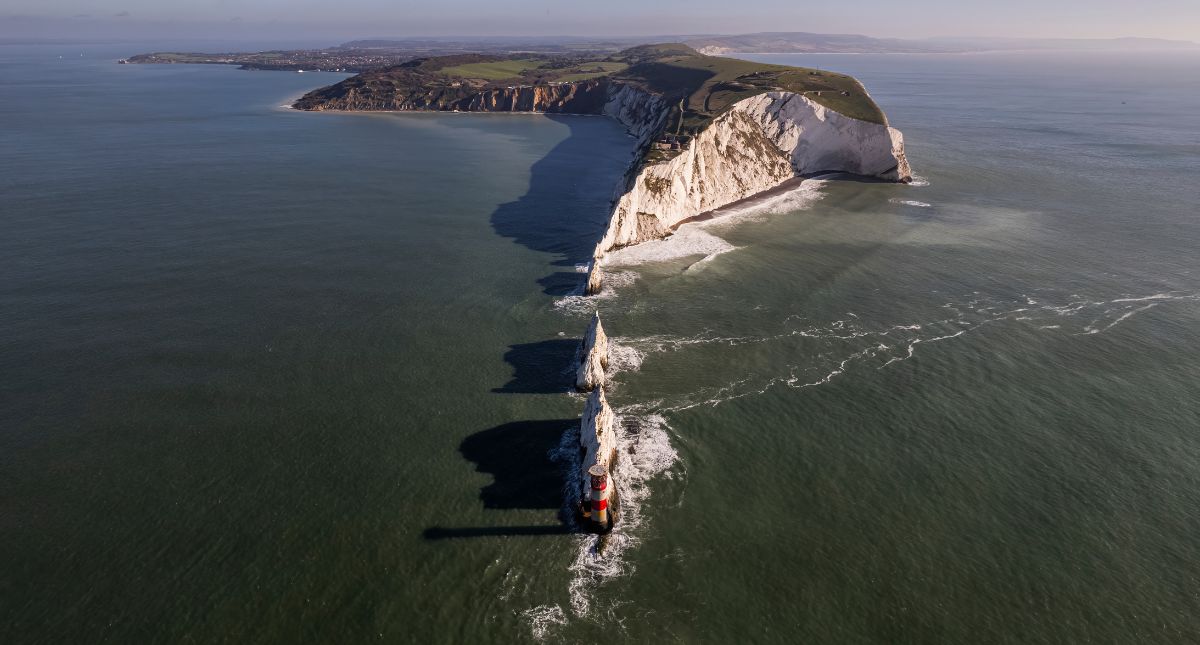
point(566, 207)
point(541, 367)
point(516, 455)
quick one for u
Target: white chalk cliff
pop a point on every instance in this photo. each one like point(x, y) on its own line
point(593, 358)
point(640, 112)
point(597, 438)
point(758, 144)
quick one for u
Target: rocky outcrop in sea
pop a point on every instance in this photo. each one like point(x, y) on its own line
point(593, 358)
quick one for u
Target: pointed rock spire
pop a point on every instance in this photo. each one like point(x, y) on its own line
point(594, 358)
point(595, 279)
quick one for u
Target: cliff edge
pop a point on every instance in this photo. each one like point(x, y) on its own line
point(757, 145)
point(711, 131)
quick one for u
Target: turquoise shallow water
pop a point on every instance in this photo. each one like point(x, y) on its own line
point(268, 376)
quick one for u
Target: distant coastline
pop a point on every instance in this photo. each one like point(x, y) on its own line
point(364, 55)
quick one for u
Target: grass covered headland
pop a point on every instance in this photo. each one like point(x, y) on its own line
point(697, 87)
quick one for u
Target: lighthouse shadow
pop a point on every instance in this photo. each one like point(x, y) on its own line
point(516, 455)
point(566, 207)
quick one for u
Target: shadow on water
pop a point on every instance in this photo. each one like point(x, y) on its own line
point(565, 210)
point(516, 455)
point(540, 368)
point(441, 533)
point(562, 283)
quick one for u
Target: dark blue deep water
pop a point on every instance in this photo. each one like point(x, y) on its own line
point(269, 376)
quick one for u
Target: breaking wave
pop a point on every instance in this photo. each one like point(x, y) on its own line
point(799, 198)
point(644, 452)
point(623, 358)
point(544, 618)
point(692, 239)
point(686, 242)
point(577, 304)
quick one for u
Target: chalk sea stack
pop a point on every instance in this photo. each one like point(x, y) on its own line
point(597, 438)
point(593, 358)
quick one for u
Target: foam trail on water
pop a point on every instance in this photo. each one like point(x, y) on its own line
point(575, 303)
point(544, 618)
point(850, 342)
point(644, 452)
point(800, 198)
point(623, 358)
point(910, 202)
point(696, 238)
point(1125, 316)
point(686, 242)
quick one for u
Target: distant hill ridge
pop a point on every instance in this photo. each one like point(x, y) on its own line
point(781, 42)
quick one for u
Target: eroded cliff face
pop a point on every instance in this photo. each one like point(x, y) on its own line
point(640, 112)
point(593, 358)
point(597, 437)
point(730, 160)
point(818, 139)
point(757, 145)
point(584, 97)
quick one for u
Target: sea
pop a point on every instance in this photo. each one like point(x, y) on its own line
point(279, 377)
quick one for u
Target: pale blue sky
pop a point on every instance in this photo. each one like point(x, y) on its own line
point(343, 19)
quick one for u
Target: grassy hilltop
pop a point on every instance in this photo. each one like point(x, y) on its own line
point(709, 85)
point(698, 87)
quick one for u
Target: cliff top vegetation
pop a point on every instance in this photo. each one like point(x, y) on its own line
point(698, 87)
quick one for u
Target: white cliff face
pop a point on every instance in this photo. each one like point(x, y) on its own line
point(757, 145)
point(594, 358)
point(816, 138)
point(728, 161)
point(640, 112)
point(597, 437)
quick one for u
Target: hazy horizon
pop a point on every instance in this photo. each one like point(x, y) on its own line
point(274, 20)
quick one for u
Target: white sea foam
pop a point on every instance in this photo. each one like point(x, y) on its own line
point(1091, 329)
point(843, 347)
point(697, 238)
point(799, 198)
point(918, 182)
point(851, 343)
point(623, 358)
point(644, 452)
point(686, 242)
point(577, 304)
point(910, 202)
point(544, 618)
point(1157, 296)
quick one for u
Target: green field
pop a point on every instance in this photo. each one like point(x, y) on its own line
point(593, 70)
point(494, 70)
point(695, 88)
point(709, 85)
